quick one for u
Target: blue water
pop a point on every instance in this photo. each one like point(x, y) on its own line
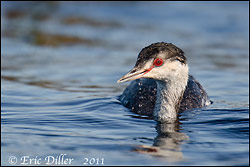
point(59, 95)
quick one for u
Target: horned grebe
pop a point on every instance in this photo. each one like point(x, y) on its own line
point(162, 86)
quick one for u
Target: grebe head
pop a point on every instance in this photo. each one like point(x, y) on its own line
point(160, 61)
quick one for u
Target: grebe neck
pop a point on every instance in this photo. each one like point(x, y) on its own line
point(169, 96)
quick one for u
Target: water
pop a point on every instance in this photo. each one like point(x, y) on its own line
point(60, 62)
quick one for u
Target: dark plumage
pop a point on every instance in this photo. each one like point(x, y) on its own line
point(140, 96)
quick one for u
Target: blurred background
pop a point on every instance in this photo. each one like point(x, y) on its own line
point(60, 62)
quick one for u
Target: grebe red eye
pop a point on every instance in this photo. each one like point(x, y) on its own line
point(158, 62)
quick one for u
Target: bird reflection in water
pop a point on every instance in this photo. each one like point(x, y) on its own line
point(167, 143)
